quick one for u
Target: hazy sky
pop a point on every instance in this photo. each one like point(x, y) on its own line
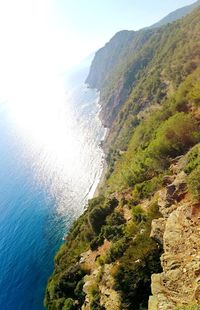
point(96, 21)
point(64, 31)
point(40, 38)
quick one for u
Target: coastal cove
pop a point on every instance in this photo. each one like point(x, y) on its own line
point(45, 186)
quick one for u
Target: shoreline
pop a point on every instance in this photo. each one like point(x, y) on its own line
point(101, 180)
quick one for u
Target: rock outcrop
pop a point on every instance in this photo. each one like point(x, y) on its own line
point(179, 231)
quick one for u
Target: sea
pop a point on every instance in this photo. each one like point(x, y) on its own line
point(50, 164)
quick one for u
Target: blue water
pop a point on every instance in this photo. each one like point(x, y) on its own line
point(39, 199)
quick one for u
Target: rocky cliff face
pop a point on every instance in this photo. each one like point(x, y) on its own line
point(179, 231)
point(109, 71)
point(107, 58)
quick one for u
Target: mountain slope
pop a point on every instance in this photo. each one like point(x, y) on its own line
point(116, 66)
point(109, 67)
point(179, 13)
point(158, 66)
point(153, 162)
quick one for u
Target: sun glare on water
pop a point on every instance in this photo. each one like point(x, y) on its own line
point(31, 58)
point(45, 120)
point(34, 53)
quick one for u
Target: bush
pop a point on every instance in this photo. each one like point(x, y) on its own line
point(96, 242)
point(69, 304)
point(175, 136)
point(146, 188)
point(97, 215)
point(116, 218)
point(193, 182)
point(117, 250)
point(79, 291)
point(133, 279)
point(139, 214)
point(193, 159)
point(96, 218)
point(112, 232)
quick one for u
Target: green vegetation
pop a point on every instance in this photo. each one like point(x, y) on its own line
point(97, 216)
point(193, 182)
point(167, 57)
point(165, 135)
point(192, 168)
point(139, 261)
point(154, 122)
point(193, 159)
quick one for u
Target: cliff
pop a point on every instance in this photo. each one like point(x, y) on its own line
point(178, 230)
point(141, 232)
point(150, 66)
point(109, 68)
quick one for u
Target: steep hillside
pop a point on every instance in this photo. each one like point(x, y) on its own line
point(176, 15)
point(109, 257)
point(107, 58)
point(172, 53)
point(108, 69)
point(140, 59)
point(150, 199)
point(178, 230)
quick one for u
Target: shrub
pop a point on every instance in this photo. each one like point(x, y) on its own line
point(146, 188)
point(139, 214)
point(96, 218)
point(98, 214)
point(79, 291)
point(117, 250)
point(116, 218)
point(193, 182)
point(112, 232)
point(96, 242)
point(175, 136)
point(193, 159)
point(69, 304)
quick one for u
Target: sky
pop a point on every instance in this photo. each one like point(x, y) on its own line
point(61, 32)
point(41, 38)
point(94, 22)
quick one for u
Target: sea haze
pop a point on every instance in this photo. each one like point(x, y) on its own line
point(48, 169)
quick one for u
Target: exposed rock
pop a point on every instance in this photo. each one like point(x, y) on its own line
point(179, 283)
point(109, 298)
point(153, 302)
point(88, 288)
point(127, 214)
point(177, 164)
point(157, 230)
point(171, 194)
point(168, 179)
point(179, 230)
point(88, 259)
